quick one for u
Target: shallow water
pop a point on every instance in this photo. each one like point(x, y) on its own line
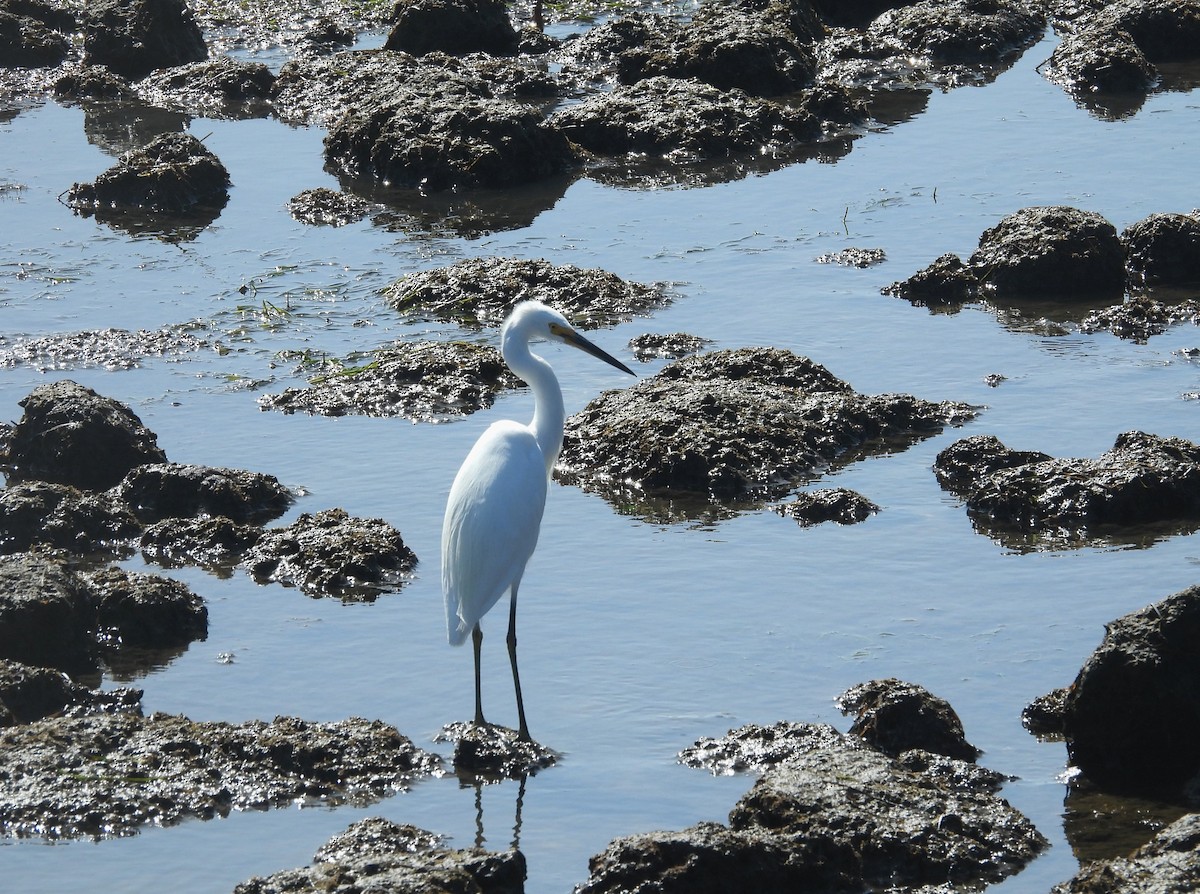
point(636, 638)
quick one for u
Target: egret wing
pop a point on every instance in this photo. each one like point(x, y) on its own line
point(491, 524)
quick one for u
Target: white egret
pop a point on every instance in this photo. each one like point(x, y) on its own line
point(495, 506)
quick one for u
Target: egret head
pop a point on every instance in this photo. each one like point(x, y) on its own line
point(532, 320)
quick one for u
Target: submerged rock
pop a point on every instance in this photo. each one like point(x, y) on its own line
point(127, 771)
point(331, 554)
point(837, 504)
point(135, 37)
point(379, 855)
point(173, 176)
point(736, 427)
point(109, 348)
point(829, 813)
point(323, 206)
point(69, 434)
point(895, 717)
point(423, 381)
point(1022, 497)
point(1132, 717)
point(483, 291)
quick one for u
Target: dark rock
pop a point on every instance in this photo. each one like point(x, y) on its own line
point(327, 207)
point(135, 37)
point(1132, 717)
point(108, 348)
point(853, 13)
point(174, 174)
point(146, 610)
point(726, 46)
point(1169, 862)
point(29, 41)
point(319, 90)
point(217, 88)
point(92, 82)
point(331, 554)
point(962, 31)
point(483, 291)
point(69, 434)
point(1010, 495)
point(103, 776)
point(682, 121)
point(379, 855)
point(46, 618)
point(678, 344)
point(174, 490)
point(1165, 30)
point(965, 463)
point(327, 35)
point(854, 257)
point(1053, 250)
point(436, 143)
point(755, 748)
point(421, 381)
point(32, 693)
point(1044, 715)
point(846, 507)
point(945, 282)
point(829, 814)
point(895, 717)
point(1100, 59)
point(456, 27)
point(1139, 317)
point(214, 543)
point(491, 752)
point(62, 517)
point(735, 426)
point(1164, 249)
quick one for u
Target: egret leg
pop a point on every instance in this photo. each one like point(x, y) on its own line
point(523, 731)
point(477, 642)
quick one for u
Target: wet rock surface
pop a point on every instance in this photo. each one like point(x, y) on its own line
point(456, 27)
point(423, 381)
point(836, 504)
point(327, 207)
point(1134, 709)
point(377, 854)
point(733, 427)
point(126, 771)
point(329, 553)
point(182, 490)
point(110, 348)
point(1117, 48)
point(828, 813)
point(39, 513)
point(54, 616)
point(1168, 862)
point(1164, 249)
point(1146, 485)
point(894, 717)
point(491, 752)
point(69, 434)
point(30, 693)
point(671, 347)
point(135, 37)
point(482, 291)
point(215, 543)
point(30, 34)
point(221, 87)
point(173, 175)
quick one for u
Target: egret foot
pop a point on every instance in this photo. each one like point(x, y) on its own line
point(495, 752)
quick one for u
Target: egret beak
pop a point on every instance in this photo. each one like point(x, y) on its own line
point(573, 338)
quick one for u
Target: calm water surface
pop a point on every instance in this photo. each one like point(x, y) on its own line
point(636, 638)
